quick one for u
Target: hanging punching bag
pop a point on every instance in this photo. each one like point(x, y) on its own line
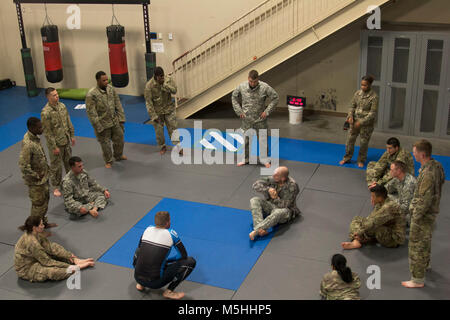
point(117, 55)
point(52, 53)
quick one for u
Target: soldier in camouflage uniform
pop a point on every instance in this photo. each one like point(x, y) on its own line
point(401, 187)
point(385, 225)
point(106, 115)
point(36, 259)
point(59, 133)
point(161, 109)
point(424, 208)
point(35, 170)
point(279, 205)
point(378, 172)
point(82, 194)
point(361, 116)
point(341, 283)
point(253, 111)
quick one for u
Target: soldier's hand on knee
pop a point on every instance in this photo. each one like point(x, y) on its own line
point(83, 210)
point(357, 125)
point(107, 194)
point(350, 120)
point(242, 116)
point(273, 193)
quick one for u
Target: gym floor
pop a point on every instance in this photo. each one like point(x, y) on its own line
point(292, 264)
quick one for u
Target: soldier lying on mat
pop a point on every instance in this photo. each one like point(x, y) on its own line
point(36, 259)
point(82, 194)
point(385, 225)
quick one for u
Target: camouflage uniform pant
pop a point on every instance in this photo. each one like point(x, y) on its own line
point(40, 273)
point(370, 173)
point(56, 162)
point(383, 235)
point(114, 134)
point(39, 196)
point(94, 199)
point(262, 140)
point(419, 250)
point(170, 121)
point(266, 215)
point(365, 132)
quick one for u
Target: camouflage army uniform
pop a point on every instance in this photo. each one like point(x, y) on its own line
point(402, 192)
point(333, 287)
point(380, 171)
point(82, 191)
point(386, 224)
point(363, 109)
point(253, 104)
point(161, 109)
point(59, 132)
point(36, 259)
point(424, 208)
point(270, 212)
point(106, 115)
point(35, 172)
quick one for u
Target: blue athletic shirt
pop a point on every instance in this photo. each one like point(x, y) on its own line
point(155, 246)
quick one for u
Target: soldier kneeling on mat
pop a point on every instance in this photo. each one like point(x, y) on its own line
point(385, 225)
point(82, 194)
point(280, 205)
point(36, 259)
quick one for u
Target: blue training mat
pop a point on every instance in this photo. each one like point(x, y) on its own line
point(217, 237)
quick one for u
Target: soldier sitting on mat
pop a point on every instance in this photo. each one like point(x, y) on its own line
point(341, 283)
point(82, 194)
point(280, 205)
point(378, 172)
point(385, 225)
point(36, 259)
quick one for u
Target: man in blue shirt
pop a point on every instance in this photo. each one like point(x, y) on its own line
point(153, 269)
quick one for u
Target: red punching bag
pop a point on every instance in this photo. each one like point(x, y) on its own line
point(117, 55)
point(52, 53)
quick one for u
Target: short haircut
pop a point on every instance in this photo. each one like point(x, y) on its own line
point(400, 165)
point(74, 160)
point(161, 218)
point(379, 191)
point(393, 142)
point(32, 122)
point(368, 78)
point(253, 74)
point(48, 90)
point(424, 146)
point(99, 74)
point(158, 72)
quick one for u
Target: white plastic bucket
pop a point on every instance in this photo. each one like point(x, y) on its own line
point(295, 115)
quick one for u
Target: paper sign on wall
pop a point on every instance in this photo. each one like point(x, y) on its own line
point(158, 47)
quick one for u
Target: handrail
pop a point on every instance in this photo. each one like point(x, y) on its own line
point(231, 24)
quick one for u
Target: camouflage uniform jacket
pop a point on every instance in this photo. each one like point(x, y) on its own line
point(31, 249)
point(58, 128)
point(402, 191)
point(76, 188)
point(103, 108)
point(33, 161)
point(428, 190)
point(287, 193)
point(364, 107)
point(333, 287)
point(158, 98)
point(383, 166)
point(387, 214)
point(253, 101)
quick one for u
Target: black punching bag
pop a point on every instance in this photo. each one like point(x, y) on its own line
point(117, 55)
point(52, 53)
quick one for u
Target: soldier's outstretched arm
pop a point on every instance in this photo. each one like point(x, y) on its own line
point(56, 250)
point(92, 112)
point(38, 252)
point(235, 101)
point(274, 98)
point(94, 186)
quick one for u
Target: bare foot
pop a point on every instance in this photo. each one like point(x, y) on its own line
point(94, 212)
point(360, 164)
point(342, 162)
point(57, 193)
point(50, 225)
point(139, 287)
point(243, 163)
point(355, 244)
point(411, 284)
point(108, 166)
point(267, 165)
point(169, 294)
point(163, 150)
point(262, 232)
point(123, 157)
point(252, 235)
